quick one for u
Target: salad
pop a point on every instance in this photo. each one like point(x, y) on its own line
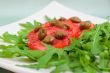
point(66, 44)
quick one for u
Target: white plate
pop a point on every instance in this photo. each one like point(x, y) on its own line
point(54, 9)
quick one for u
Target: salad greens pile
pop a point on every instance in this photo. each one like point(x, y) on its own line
point(90, 53)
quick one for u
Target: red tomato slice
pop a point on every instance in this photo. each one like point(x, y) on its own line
point(46, 25)
point(36, 46)
point(92, 26)
point(61, 43)
point(74, 32)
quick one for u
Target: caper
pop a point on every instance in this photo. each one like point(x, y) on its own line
point(65, 26)
point(54, 22)
point(48, 39)
point(75, 19)
point(59, 34)
point(37, 28)
point(42, 33)
point(59, 24)
point(85, 25)
point(62, 19)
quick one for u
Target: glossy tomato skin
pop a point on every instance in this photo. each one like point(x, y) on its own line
point(36, 46)
point(34, 43)
point(92, 26)
point(73, 32)
point(46, 25)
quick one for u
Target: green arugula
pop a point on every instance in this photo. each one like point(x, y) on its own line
point(48, 18)
point(90, 53)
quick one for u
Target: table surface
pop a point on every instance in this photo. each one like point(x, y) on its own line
point(14, 10)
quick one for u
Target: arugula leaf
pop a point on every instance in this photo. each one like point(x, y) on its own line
point(95, 49)
point(27, 25)
point(36, 23)
point(48, 18)
point(9, 38)
point(78, 70)
point(49, 53)
point(30, 54)
point(3, 47)
point(86, 65)
point(61, 68)
point(10, 51)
